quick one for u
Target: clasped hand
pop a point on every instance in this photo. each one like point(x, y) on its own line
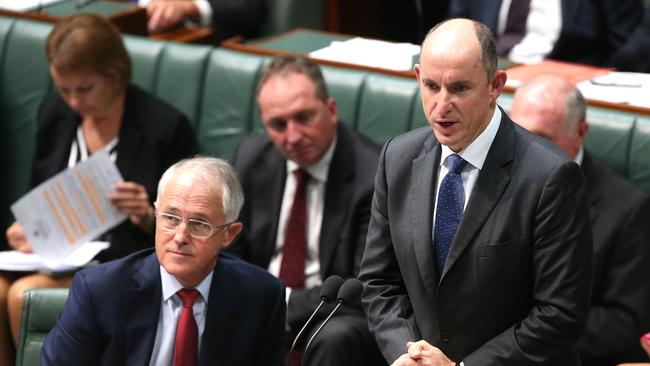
point(422, 353)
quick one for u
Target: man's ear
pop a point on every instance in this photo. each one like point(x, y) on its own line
point(498, 83)
point(231, 233)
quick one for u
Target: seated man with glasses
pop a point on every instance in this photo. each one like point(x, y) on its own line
point(184, 304)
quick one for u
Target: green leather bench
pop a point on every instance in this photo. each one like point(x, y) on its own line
point(215, 88)
point(41, 310)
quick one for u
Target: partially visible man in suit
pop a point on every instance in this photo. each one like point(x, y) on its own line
point(583, 31)
point(308, 185)
point(227, 18)
point(553, 108)
point(186, 303)
point(479, 244)
point(634, 55)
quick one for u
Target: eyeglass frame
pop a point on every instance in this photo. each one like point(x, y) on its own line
point(213, 228)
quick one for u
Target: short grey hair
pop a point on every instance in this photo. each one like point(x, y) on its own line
point(576, 110)
point(216, 173)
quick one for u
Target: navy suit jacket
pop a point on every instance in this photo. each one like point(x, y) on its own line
point(620, 302)
point(515, 287)
point(345, 218)
point(634, 55)
point(592, 30)
point(112, 312)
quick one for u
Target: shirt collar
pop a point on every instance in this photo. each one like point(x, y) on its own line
point(170, 285)
point(580, 156)
point(476, 152)
point(319, 170)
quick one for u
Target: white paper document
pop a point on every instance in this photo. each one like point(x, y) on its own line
point(26, 5)
point(369, 52)
point(61, 215)
point(13, 260)
point(619, 87)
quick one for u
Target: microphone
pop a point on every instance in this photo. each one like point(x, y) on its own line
point(350, 291)
point(328, 290)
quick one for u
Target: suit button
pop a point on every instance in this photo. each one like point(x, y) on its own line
point(445, 336)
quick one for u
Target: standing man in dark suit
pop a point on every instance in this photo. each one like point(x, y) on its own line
point(186, 303)
point(306, 149)
point(620, 215)
point(583, 31)
point(227, 18)
point(479, 244)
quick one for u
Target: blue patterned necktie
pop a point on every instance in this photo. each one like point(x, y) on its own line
point(451, 198)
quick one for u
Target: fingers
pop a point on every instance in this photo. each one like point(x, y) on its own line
point(132, 199)
point(164, 15)
point(17, 239)
point(645, 343)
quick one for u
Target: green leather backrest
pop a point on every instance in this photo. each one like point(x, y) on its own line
point(227, 101)
point(609, 137)
point(181, 73)
point(639, 154)
point(284, 15)
point(418, 119)
point(24, 80)
point(345, 87)
point(41, 309)
point(386, 106)
point(145, 57)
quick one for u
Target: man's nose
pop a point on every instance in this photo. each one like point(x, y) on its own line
point(294, 132)
point(182, 234)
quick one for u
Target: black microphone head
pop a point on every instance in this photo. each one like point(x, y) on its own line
point(330, 288)
point(350, 291)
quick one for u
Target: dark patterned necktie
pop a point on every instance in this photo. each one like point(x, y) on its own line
point(515, 26)
point(449, 210)
point(186, 345)
point(294, 250)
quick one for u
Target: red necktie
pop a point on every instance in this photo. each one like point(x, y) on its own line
point(294, 250)
point(187, 333)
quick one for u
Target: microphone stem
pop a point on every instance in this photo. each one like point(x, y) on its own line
point(295, 340)
point(323, 324)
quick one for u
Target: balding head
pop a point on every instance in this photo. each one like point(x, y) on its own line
point(553, 108)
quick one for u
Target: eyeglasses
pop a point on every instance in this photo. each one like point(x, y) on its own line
point(198, 229)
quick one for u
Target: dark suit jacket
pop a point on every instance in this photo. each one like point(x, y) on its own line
point(345, 218)
point(516, 284)
point(237, 18)
point(620, 304)
point(634, 55)
point(112, 312)
point(592, 30)
point(152, 137)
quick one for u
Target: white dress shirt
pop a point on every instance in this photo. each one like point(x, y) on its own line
point(171, 307)
point(315, 207)
point(543, 28)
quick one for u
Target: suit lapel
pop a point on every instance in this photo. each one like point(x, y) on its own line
point(142, 311)
point(424, 174)
point(268, 200)
point(223, 313)
point(490, 185)
point(338, 191)
point(130, 135)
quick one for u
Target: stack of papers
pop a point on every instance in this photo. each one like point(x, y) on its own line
point(371, 53)
point(619, 87)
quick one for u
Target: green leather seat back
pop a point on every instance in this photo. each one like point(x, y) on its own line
point(609, 137)
point(284, 15)
point(145, 58)
point(345, 87)
point(639, 158)
point(181, 71)
point(24, 80)
point(227, 103)
point(418, 119)
point(386, 106)
point(41, 309)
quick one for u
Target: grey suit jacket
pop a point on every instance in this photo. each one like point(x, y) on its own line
point(516, 284)
point(345, 220)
